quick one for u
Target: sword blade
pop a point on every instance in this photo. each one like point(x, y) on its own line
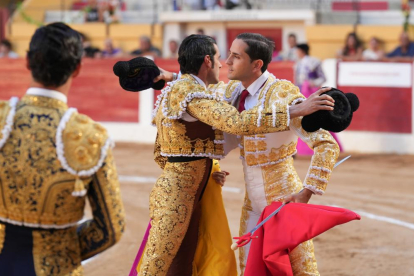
point(268, 217)
point(342, 161)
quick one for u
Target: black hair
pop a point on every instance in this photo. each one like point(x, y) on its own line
point(6, 43)
point(304, 47)
point(54, 53)
point(192, 51)
point(357, 45)
point(292, 35)
point(258, 47)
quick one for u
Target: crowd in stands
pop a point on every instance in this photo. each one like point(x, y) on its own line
point(6, 50)
point(354, 50)
point(101, 11)
point(210, 4)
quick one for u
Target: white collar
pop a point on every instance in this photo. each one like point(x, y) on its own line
point(199, 80)
point(35, 91)
point(257, 84)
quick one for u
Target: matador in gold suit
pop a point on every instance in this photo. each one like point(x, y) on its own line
point(190, 121)
point(51, 159)
point(268, 160)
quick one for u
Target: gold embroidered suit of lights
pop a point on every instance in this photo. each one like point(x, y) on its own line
point(274, 160)
point(2, 235)
point(187, 96)
point(326, 152)
point(37, 192)
point(171, 204)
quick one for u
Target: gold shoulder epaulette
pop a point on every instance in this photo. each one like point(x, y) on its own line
point(232, 90)
point(175, 97)
point(83, 141)
point(284, 91)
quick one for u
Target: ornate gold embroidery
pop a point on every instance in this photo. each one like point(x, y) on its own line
point(35, 189)
point(109, 218)
point(56, 252)
point(83, 140)
point(256, 158)
point(326, 152)
point(280, 180)
point(2, 235)
point(171, 204)
point(303, 260)
point(172, 133)
point(44, 102)
point(247, 207)
point(4, 111)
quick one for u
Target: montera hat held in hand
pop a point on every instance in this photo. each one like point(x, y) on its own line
point(138, 74)
point(335, 120)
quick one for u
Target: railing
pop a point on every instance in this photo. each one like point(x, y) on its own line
point(144, 11)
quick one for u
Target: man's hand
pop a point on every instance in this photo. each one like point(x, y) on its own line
point(220, 177)
point(165, 75)
point(302, 197)
point(315, 102)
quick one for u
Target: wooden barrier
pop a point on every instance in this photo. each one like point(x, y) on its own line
point(96, 91)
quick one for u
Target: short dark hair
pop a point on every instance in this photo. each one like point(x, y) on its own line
point(258, 47)
point(54, 53)
point(6, 43)
point(292, 35)
point(304, 47)
point(192, 51)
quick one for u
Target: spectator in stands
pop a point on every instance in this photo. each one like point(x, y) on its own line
point(6, 50)
point(352, 50)
point(405, 50)
point(93, 13)
point(308, 71)
point(290, 53)
point(112, 11)
point(88, 50)
point(146, 48)
point(173, 47)
point(374, 52)
point(200, 31)
point(110, 51)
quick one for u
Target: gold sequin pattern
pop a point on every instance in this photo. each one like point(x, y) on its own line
point(326, 152)
point(172, 134)
point(83, 140)
point(36, 190)
point(273, 156)
point(303, 260)
point(280, 180)
point(56, 252)
point(2, 235)
point(171, 205)
point(34, 187)
point(4, 111)
point(105, 199)
point(247, 207)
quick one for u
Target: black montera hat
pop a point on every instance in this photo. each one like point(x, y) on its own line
point(336, 120)
point(138, 74)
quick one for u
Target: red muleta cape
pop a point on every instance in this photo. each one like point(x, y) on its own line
point(294, 224)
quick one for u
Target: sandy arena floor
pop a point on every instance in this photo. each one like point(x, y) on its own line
point(379, 187)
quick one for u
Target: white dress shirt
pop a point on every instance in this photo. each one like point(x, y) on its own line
point(254, 89)
point(35, 91)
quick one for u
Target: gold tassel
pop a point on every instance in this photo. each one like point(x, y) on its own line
point(79, 188)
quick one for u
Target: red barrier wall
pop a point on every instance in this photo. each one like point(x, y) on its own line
point(96, 91)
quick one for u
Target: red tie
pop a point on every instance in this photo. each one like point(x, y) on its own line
point(243, 97)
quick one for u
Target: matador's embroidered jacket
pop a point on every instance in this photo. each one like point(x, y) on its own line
point(51, 158)
point(186, 96)
point(268, 164)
